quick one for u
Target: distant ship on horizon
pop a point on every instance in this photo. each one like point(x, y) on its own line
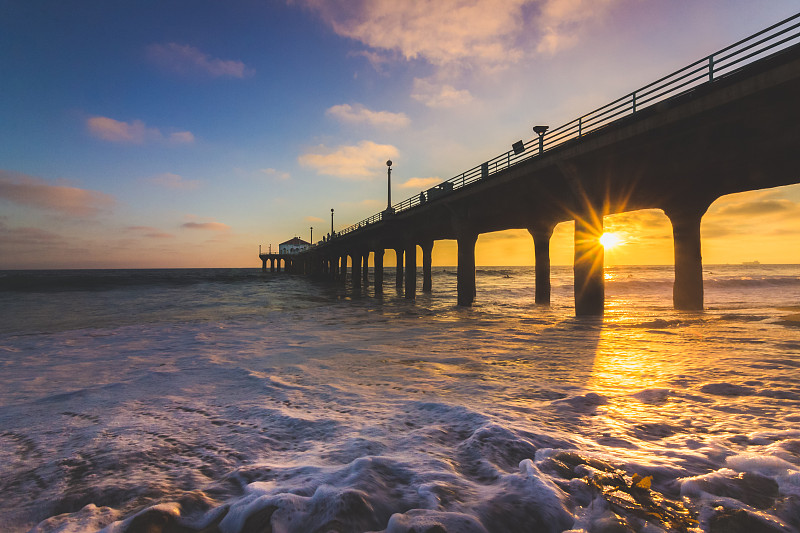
point(751, 263)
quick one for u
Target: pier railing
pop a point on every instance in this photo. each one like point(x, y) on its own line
point(767, 42)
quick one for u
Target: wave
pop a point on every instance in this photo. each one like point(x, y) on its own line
point(111, 279)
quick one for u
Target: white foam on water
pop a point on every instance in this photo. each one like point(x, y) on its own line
point(369, 415)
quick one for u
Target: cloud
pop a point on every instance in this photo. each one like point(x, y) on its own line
point(208, 226)
point(135, 132)
point(361, 162)
point(188, 60)
point(30, 191)
point(433, 94)
point(756, 208)
point(27, 236)
point(420, 183)
point(358, 114)
point(150, 232)
point(439, 32)
point(560, 22)
point(477, 32)
point(181, 137)
point(174, 181)
point(271, 172)
point(313, 219)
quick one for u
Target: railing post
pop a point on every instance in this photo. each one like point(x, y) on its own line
point(580, 124)
point(634, 101)
point(710, 68)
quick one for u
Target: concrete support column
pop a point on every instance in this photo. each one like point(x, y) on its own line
point(411, 271)
point(465, 275)
point(356, 277)
point(399, 274)
point(378, 260)
point(343, 269)
point(427, 249)
point(687, 292)
point(264, 264)
point(588, 266)
point(365, 270)
point(272, 265)
point(541, 246)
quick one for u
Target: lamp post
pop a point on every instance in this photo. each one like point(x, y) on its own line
point(539, 130)
point(332, 222)
point(312, 236)
point(389, 180)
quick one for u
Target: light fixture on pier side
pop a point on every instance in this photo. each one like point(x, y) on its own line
point(389, 210)
point(540, 131)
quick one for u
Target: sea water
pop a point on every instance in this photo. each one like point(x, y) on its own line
point(242, 401)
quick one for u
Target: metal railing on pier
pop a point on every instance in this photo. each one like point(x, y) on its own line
point(769, 41)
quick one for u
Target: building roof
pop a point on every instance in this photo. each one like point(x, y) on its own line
point(295, 241)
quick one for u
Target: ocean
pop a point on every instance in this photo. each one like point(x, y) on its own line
point(235, 400)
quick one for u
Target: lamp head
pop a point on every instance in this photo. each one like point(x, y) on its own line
point(389, 163)
point(539, 130)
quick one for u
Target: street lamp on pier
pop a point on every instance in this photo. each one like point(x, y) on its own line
point(540, 130)
point(389, 209)
point(312, 236)
point(332, 233)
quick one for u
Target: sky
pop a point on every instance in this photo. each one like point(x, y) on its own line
point(165, 134)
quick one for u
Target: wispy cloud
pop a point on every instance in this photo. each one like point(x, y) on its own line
point(184, 59)
point(360, 162)
point(27, 236)
point(420, 183)
point(313, 219)
point(149, 232)
point(207, 226)
point(757, 207)
point(434, 94)
point(472, 33)
point(174, 181)
point(358, 114)
point(135, 132)
point(276, 174)
point(27, 190)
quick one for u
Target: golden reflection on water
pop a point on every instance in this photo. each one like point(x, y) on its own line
point(631, 358)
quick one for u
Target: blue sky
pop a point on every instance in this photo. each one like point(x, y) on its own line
point(179, 134)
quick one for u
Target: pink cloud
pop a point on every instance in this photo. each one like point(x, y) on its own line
point(361, 162)
point(30, 191)
point(420, 183)
point(135, 132)
point(150, 232)
point(188, 60)
point(174, 181)
point(27, 236)
point(211, 226)
point(359, 114)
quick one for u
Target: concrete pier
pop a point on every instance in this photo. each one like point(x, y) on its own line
point(356, 264)
point(588, 266)
point(736, 130)
point(399, 271)
point(411, 271)
point(541, 244)
point(427, 259)
point(365, 269)
point(687, 291)
point(465, 276)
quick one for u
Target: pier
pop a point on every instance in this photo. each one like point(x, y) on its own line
point(730, 122)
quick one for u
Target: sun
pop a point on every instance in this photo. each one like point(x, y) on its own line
point(610, 240)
